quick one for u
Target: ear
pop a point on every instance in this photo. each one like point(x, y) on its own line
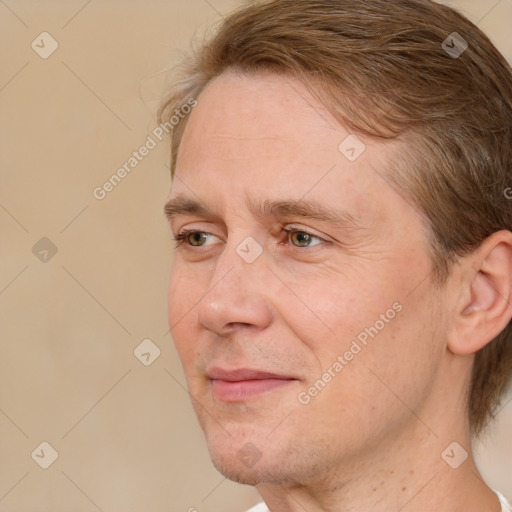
point(484, 306)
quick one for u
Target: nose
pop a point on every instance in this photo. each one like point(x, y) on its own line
point(237, 296)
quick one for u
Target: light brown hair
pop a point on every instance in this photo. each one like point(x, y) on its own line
point(381, 69)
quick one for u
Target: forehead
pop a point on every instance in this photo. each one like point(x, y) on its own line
point(265, 135)
point(265, 110)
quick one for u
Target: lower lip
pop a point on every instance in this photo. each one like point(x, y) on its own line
point(239, 391)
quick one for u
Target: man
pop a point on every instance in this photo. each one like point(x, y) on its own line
point(341, 291)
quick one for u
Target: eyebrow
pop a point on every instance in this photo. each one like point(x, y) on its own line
point(301, 208)
point(182, 205)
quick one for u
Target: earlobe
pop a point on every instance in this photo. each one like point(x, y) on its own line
point(486, 307)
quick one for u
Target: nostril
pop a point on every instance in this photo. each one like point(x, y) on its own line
point(240, 325)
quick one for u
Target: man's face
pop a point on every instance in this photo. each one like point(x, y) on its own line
point(302, 350)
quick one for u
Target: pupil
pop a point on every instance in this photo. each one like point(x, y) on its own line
point(302, 238)
point(197, 237)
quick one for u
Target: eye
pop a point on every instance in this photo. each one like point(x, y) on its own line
point(193, 237)
point(302, 238)
point(299, 238)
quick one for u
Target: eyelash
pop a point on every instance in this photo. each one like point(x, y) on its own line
point(181, 237)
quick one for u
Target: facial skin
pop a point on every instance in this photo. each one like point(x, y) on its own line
point(372, 438)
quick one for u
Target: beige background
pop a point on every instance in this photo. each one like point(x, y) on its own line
point(125, 433)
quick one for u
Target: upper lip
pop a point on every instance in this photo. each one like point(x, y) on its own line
point(240, 374)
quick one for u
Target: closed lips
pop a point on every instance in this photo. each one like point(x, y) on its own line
point(243, 384)
point(243, 374)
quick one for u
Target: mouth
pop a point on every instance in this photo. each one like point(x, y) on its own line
point(242, 384)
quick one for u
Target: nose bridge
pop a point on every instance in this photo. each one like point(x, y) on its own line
point(236, 293)
point(240, 262)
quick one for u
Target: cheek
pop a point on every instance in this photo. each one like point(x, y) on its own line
point(391, 359)
point(374, 323)
point(183, 294)
point(380, 382)
point(332, 311)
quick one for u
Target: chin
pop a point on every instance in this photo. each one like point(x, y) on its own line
point(235, 457)
point(254, 460)
point(273, 469)
point(238, 473)
point(242, 460)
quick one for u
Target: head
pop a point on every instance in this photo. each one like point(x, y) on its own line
point(360, 111)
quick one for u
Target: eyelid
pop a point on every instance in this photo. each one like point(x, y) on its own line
point(183, 233)
point(303, 229)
